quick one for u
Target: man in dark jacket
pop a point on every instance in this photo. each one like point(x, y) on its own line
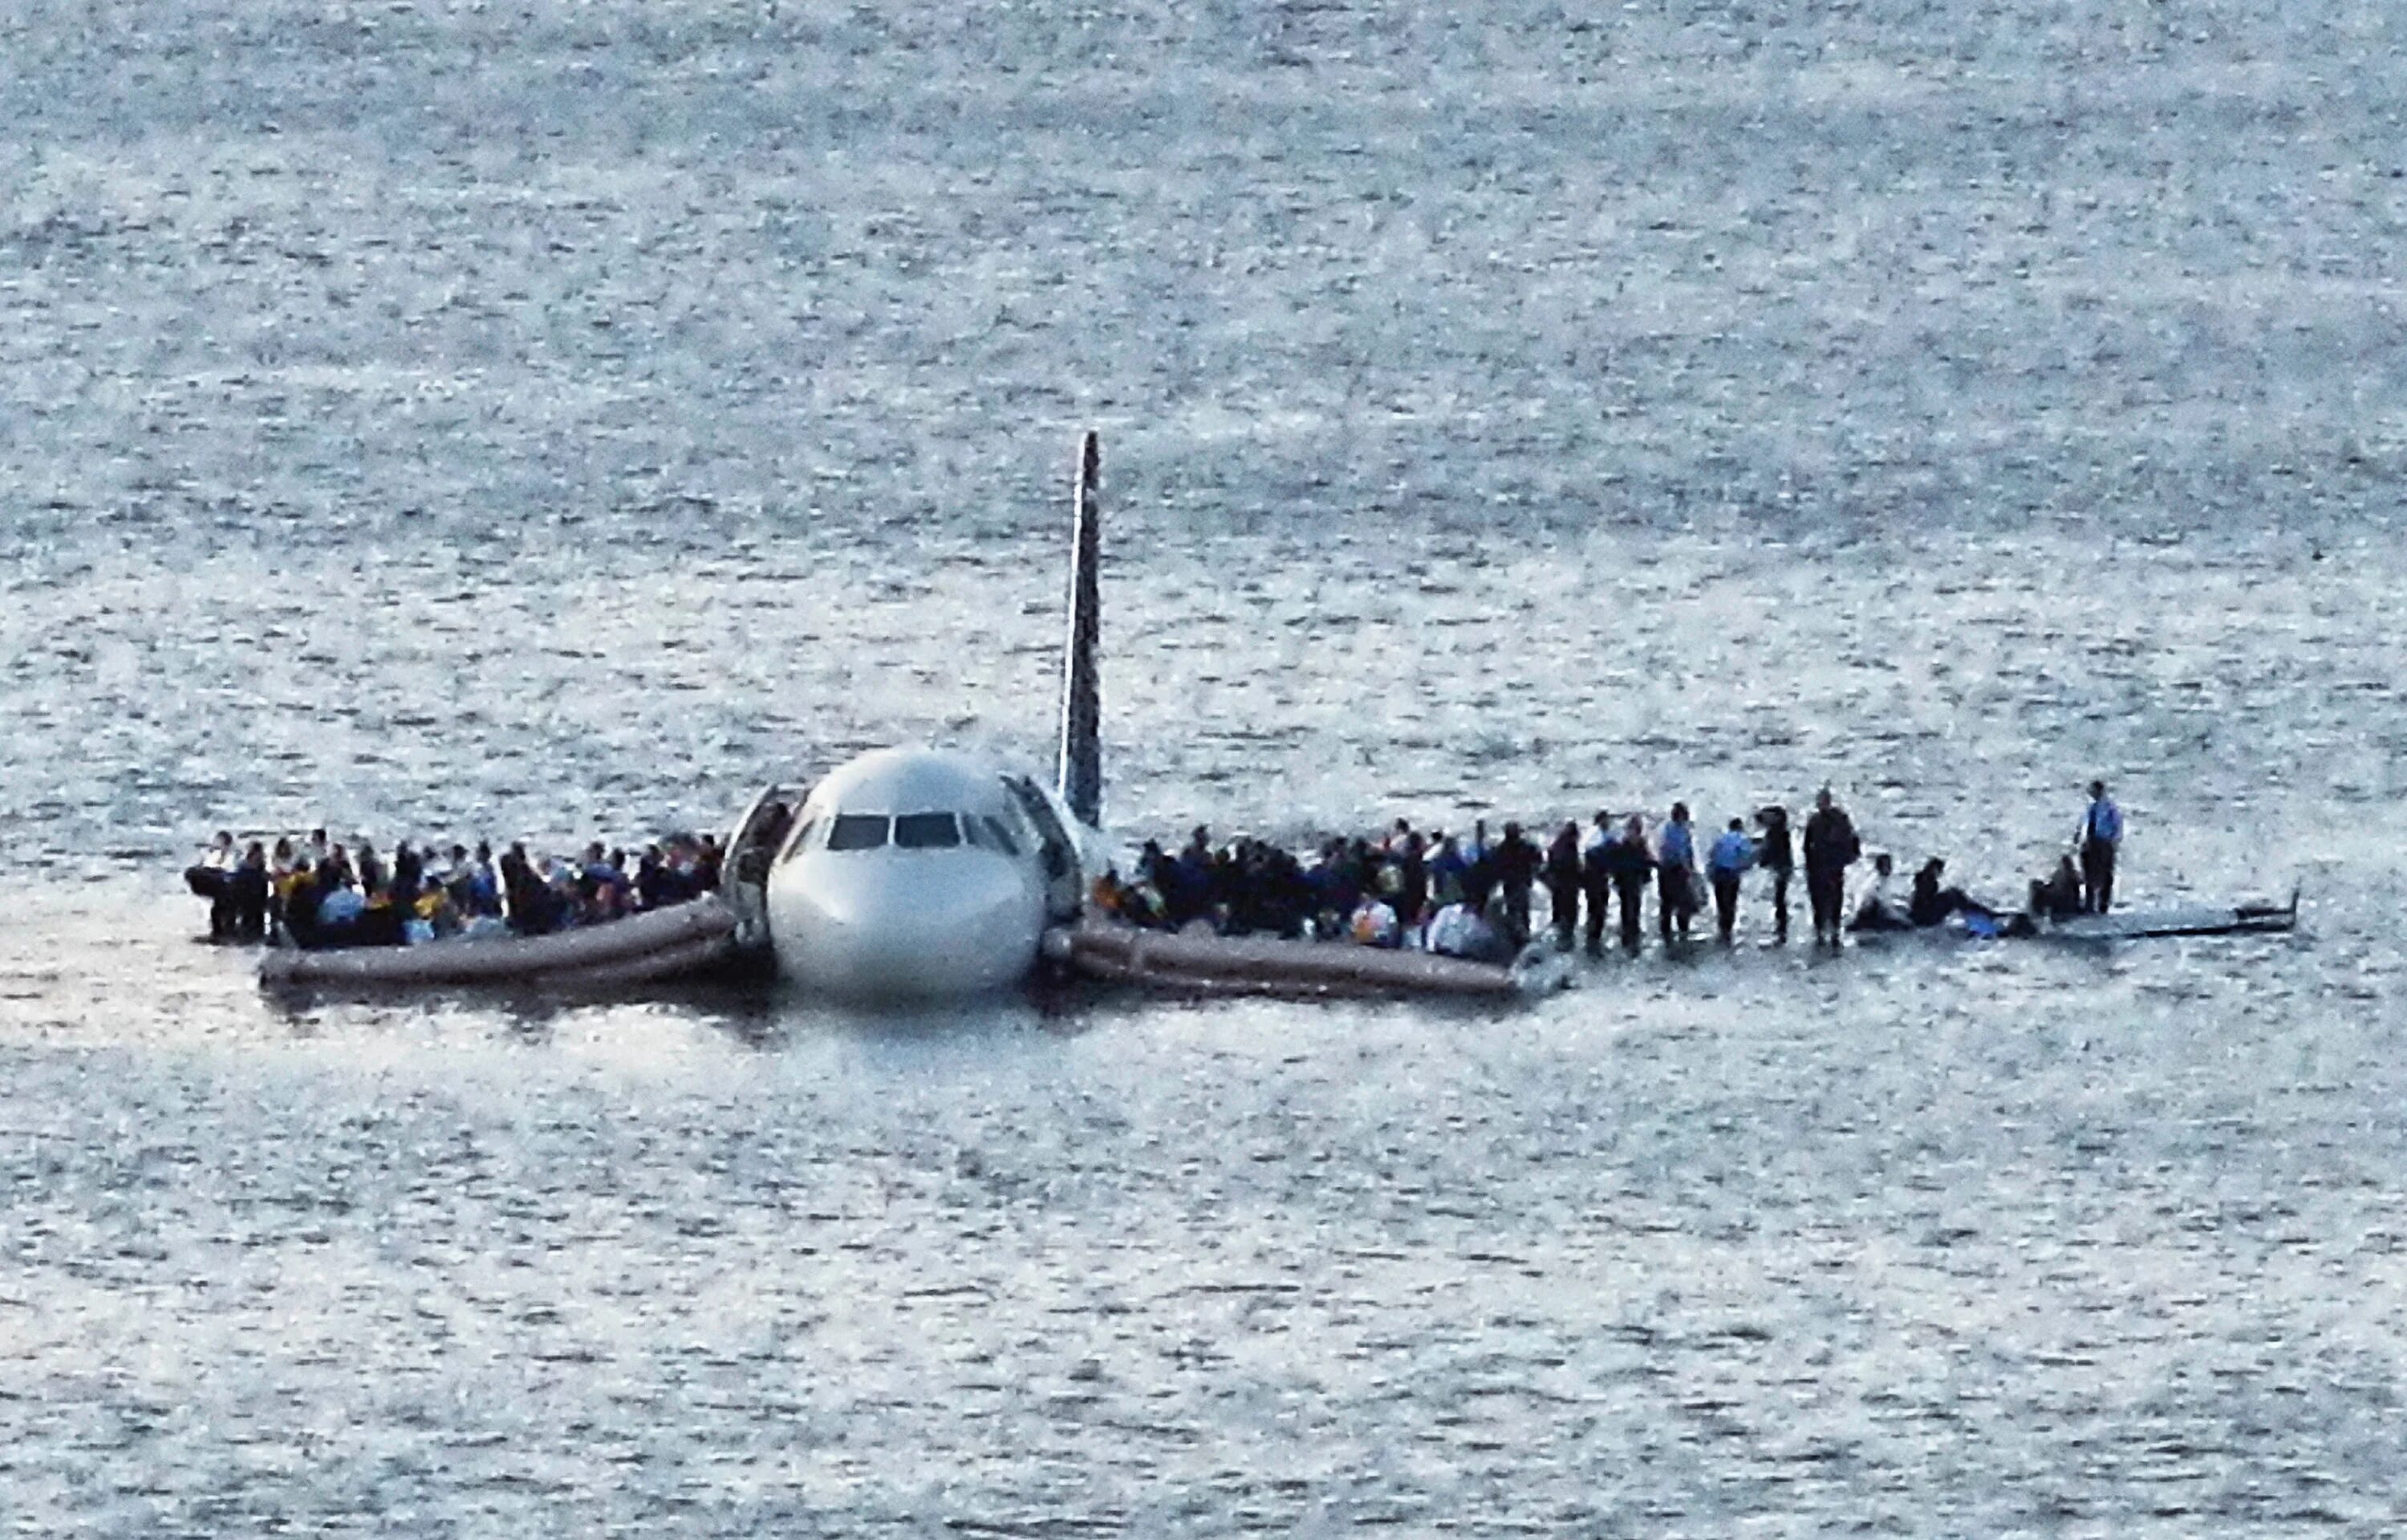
point(1830, 848)
point(1775, 854)
point(1517, 862)
point(530, 903)
point(1633, 866)
point(1563, 885)
point(1596, 879)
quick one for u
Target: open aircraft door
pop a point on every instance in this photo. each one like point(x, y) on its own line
point(751, 845)
point(1065, 886)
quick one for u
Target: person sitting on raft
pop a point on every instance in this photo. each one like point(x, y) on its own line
point(1131, 903)
point(1458, 930)
point(329, 911)
point(2059, 896)
point(1876, 913)
point(1374, 924)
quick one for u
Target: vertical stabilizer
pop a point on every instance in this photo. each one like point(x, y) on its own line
point(1082, 748)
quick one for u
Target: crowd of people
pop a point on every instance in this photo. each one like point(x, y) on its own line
point(1474, 896)
point(1469, 896)
point(319, 893)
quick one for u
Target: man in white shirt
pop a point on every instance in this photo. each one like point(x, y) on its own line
point(1458, 930)
point(1878, 911)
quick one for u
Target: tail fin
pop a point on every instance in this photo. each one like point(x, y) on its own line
point(1082, 750)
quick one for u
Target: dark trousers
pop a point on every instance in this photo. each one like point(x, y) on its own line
point(1600, 898)
point(1780, 903)
point(1826, 891)
point(2097, 875)
point(1516, 914)
point(1634, 897)
point(246, 896)
point(1675, 900)
point(1726, 901)
point(1563, 907)
point(216, 884)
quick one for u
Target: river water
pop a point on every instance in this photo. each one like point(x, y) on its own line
point(549, 419)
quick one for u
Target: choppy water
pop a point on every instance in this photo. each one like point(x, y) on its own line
point(447, 421)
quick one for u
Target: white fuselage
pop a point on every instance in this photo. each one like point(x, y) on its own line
point(911, 873)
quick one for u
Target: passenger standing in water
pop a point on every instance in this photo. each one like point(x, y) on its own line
point(1830, 848)
point(1776, 855)
point(1732, 853)
point(2102, 833)
point(1563, 885)
point(1675, 871)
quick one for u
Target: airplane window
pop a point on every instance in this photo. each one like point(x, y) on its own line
point(858, 831)
point(926, 831)
point(1001, 836)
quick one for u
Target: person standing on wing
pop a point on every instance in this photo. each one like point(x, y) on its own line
point(1732, 853)
point(1596, 880)
point(1562, 878)
point(1631, 865)
point(1777, 855)
point(1675, 874)
point(2101, 832)
point(1830, 848)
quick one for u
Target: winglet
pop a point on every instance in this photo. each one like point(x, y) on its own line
point(1082, 752)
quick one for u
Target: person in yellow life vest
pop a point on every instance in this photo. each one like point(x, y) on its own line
point(436, 909)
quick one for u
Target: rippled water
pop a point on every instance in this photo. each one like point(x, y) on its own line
point(456, 421)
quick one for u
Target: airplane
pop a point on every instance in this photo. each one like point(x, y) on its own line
point(916, 873)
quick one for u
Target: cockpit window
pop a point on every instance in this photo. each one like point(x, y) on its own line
point(858, 831)
point(926, 831)
point(1000, 835)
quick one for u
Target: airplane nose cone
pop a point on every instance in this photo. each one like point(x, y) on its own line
point(905, 927)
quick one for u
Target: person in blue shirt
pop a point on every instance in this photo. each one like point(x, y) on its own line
point(2101, 832)
point(1675, 874)
point(1446, 871)
point(1732, 855)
